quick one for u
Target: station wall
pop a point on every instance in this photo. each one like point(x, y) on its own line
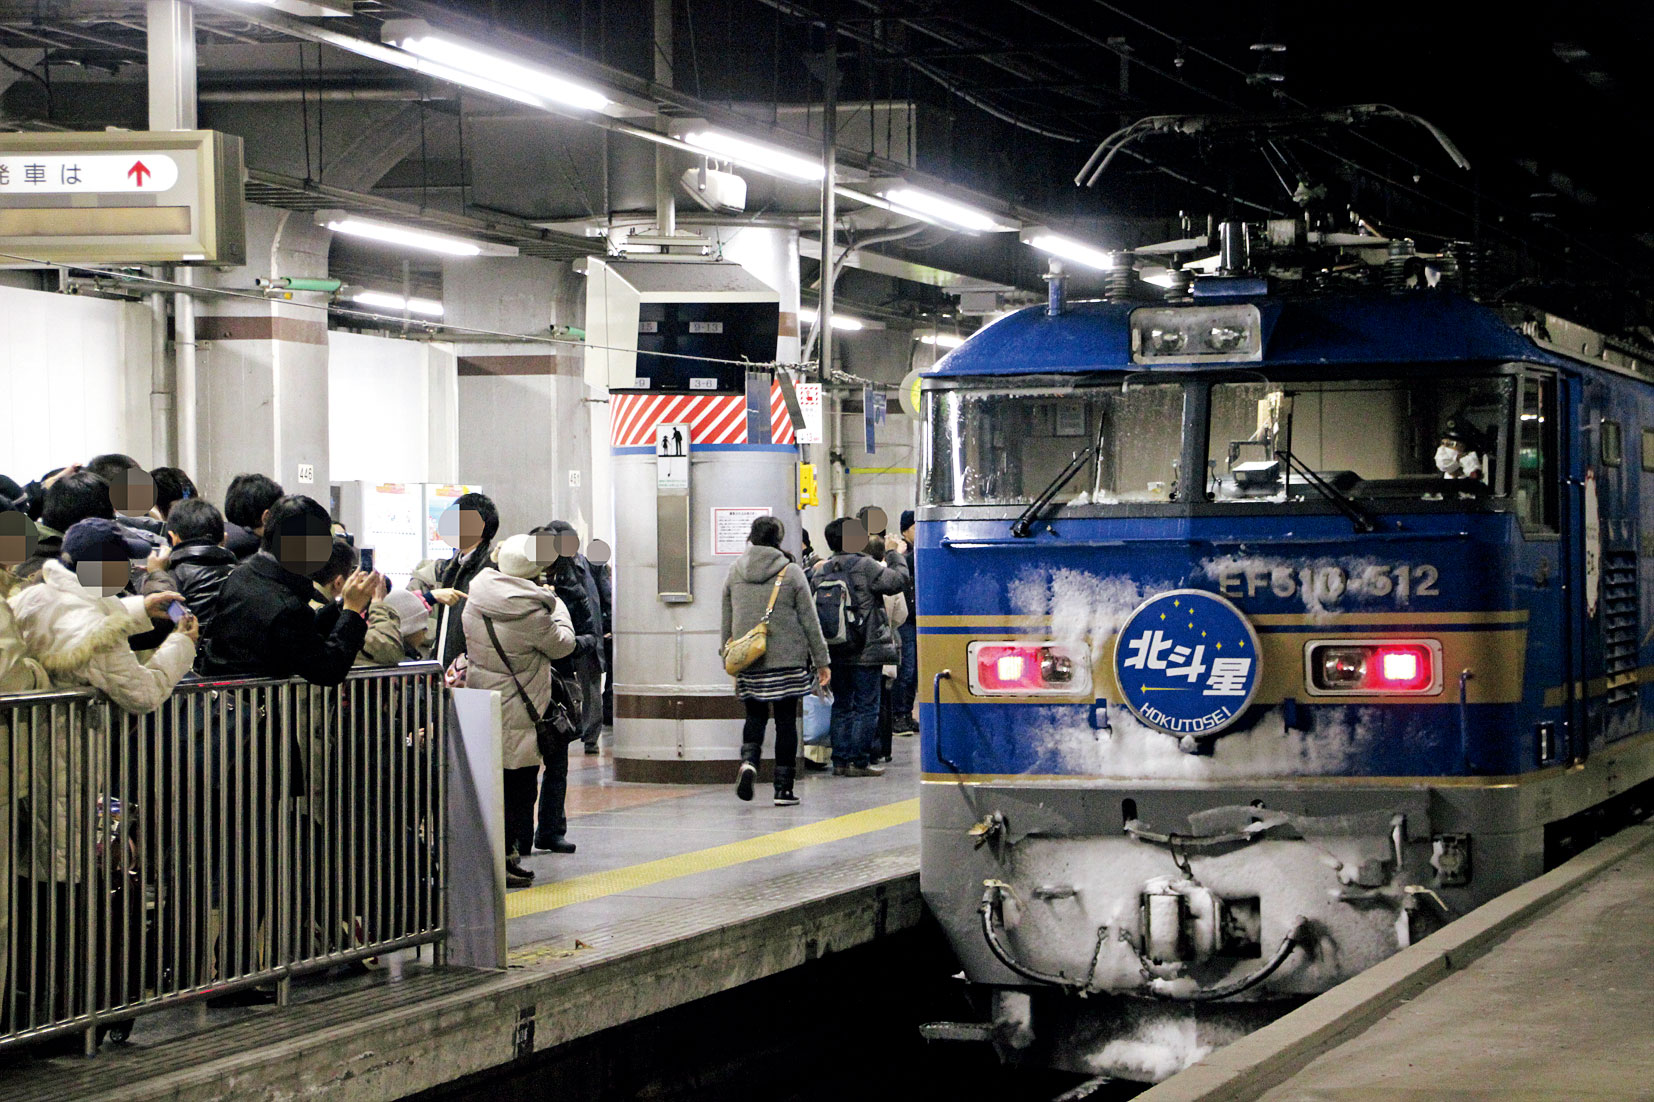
point(75, 375)
point(392, 409)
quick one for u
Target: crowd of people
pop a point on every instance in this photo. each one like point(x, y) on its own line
point(839, 627)
point(130, 582)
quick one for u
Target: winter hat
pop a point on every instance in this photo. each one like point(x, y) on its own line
point(411, 613)
point(97, 539)
point(517, 557)
point(907, 520)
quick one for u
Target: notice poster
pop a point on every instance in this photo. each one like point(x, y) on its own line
point(809, 404)
point(392, 515)
point(730, 528)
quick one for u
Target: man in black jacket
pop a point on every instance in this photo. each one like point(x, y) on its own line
point(264, 625)
point(469, 526)
point(570, 574)
point(199, 563)
point(857, 672)
point(69, 497)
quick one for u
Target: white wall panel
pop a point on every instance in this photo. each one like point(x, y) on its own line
point(75, 375)
point(390, 409)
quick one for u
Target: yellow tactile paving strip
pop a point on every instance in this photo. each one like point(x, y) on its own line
point(580, 889)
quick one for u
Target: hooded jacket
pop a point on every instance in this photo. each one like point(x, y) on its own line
point(80, 639)
point(534, 630)
point(19, 671)
point(795, 637)
point(870, 580)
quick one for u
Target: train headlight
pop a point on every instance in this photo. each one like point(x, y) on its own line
point(1231, 333)
point(1017, 668)
point(1402, 667)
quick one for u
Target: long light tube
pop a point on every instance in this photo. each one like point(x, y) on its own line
point(349, 224)
point(808, 317)
point(765, 158)
point(942, 340)
point(384, 300)
point(495, 73)
point(934, 208)
point(1069, 249)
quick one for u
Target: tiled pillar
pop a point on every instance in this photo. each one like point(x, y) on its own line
point(261, 388)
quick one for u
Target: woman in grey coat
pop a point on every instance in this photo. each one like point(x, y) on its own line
point(795, 644)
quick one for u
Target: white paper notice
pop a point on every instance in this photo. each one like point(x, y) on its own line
point(730, 528)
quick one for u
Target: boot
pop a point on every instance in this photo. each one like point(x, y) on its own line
point(784, 786)
point(750, 752)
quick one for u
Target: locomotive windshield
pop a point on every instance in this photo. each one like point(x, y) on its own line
point(1002, 446)
point(1421, 437)
point(1424, 438)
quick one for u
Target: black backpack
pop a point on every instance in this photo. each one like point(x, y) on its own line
point(844, 627)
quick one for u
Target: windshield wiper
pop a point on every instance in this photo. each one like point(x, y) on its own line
point(1023, 526)
point(1363, 519)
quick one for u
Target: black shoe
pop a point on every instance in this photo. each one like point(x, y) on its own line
point(743, 781)
point(784, 797)
point(250, 996)
point(814, 766)
point(558, 844)
point(592, 748)
point(514, 868)
point(864, 771)
point(512, 880)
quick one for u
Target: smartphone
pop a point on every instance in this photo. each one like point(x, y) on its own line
point(176, 611)
point(367, 559)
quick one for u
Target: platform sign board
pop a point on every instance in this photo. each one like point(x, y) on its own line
point(672, 455)
point(122, 197)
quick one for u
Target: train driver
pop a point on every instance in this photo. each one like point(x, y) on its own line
point(1460, 452)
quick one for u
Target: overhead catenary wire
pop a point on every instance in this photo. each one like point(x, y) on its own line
point(156, 284)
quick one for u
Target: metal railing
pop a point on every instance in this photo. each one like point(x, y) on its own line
point(244, 833)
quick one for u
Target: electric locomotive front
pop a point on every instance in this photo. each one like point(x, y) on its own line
point(1226, 721)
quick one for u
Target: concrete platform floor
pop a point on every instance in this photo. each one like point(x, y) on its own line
point(1564, 1009)
point(643, 847)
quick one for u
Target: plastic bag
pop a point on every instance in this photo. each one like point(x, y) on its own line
point(818, 718)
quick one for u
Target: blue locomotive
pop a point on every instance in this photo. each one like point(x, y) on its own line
point(1263, 628)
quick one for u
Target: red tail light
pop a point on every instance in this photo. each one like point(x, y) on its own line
point(1017, 668)
point(1348, 668)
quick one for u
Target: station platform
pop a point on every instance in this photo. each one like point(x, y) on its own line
point(1543, 993)
point(676, 893)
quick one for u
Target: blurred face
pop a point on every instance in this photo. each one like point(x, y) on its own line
point(568, 544)
point(853, 536)
point(545, 549)
point(461, 528)
point(17, 538)
point(877, 522)
point(133, 493)
point(106, 577)
point(599, 552)
point(304, 544)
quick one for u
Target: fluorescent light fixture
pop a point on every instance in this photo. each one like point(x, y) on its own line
point(840, 321)
point(342, 222)
point(942, 340)
point(933, 208)
point(461, 63)
point(309, 9)
point(1066, 247)
point(756, 155)
point(384, 300)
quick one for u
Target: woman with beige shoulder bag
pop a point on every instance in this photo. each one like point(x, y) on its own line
point(772, 639)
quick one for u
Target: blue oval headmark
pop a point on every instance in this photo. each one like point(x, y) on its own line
point(1187, 662)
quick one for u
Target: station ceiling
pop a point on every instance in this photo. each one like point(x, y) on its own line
point(1007, 98)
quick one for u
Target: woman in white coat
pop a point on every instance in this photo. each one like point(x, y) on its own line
point(533, 628)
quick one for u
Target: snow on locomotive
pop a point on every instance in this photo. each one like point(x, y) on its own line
point(1260, 634)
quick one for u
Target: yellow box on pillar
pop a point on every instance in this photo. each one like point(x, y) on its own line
point(807, 495)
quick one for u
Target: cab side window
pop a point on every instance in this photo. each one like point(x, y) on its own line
point(1536, 458)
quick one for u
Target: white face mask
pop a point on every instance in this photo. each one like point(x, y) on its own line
point(1447, 457)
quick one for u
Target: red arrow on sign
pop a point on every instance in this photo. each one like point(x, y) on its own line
point(139, 171)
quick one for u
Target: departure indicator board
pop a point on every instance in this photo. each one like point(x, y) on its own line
point(122, 197)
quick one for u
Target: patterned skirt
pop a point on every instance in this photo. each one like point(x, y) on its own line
point(771, 685)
